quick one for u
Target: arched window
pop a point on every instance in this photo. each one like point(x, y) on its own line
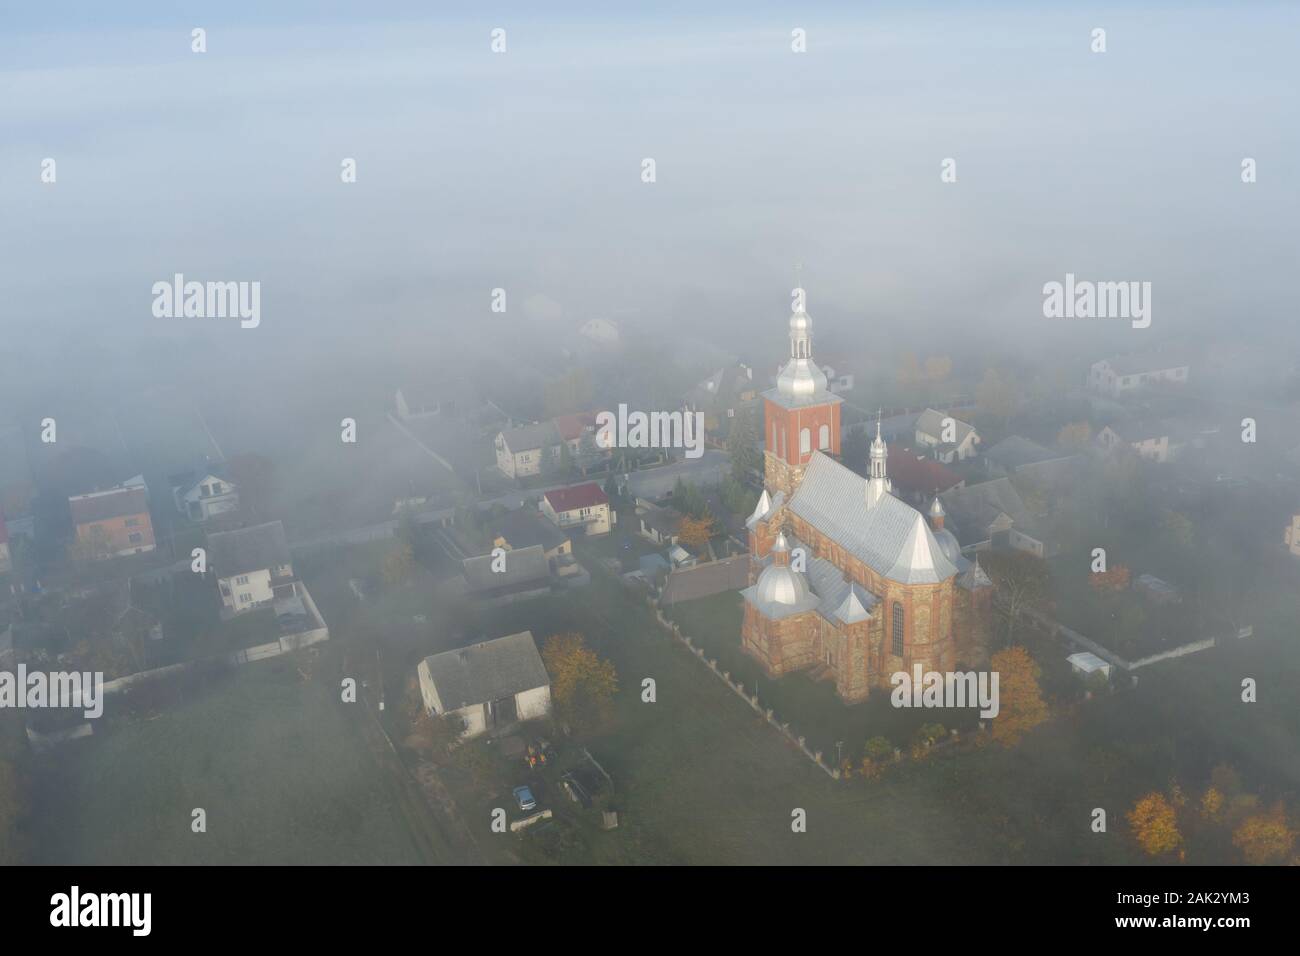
point(824, 437)
point(805, 441)
point(898, 629)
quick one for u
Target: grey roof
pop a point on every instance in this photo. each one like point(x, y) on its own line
point(530, 437)
point(522, 566)
point(891, 537)
point(487, 671)
point(704, 580)
point(974, 508)
point(257, 548)
point(523, 528)
point(974, 577)
point(1015, 452)
point(930, 422)
point(838, 600)
point(1140, 429)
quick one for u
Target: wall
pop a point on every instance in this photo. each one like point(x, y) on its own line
point(534, 703)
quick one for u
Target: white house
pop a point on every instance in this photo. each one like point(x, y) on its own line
point(250, 563)
point(208, 493)
point(1149, 439)
point(524, 451)
point(489, 685)
point(950, 438)
point(1291, 536)
point(1086, 664)
point(1122, 374)
point(582, 506)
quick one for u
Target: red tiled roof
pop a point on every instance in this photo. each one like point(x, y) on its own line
point(571, 427)
point(571, 499)
point(916, 473)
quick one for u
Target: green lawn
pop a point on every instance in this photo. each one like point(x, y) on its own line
point(277, 765)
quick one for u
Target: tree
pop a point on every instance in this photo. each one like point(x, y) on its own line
point(582, 685)
point(1155, 825)
point(938, 368)
point(695, 532)
point(12, 808)
point(996, 396)
point(252, 477)
point(1265, 838)
point(398, 564)
point(1022, 583)
point(854, 450)
point(742, 441)
point(1020, 700)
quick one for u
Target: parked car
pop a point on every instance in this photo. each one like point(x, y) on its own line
point(524, 797)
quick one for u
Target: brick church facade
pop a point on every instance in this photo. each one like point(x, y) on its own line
point(846, 579)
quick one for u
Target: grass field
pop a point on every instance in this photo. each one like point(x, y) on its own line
point(277, 765)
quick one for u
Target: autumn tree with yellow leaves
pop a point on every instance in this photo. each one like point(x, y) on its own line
point(1020, 700)
point(582, 685)
point(695, 532)
point(1155, 825)
point(1265, 838)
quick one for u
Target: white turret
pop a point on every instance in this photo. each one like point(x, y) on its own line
point(878, 481)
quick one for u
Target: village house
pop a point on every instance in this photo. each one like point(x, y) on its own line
point(204, 493)
point(489, 686)
point(113, 522)
point(992, 515)
point(582, 506)
point(1015, 455)
point(525, 528)
point(525, 451)
point(1291, 537)
point(487, 579)
point(601, 331)
point(250, 564)
point(949, 439)
point(917, 478)
point(1149, 439)
point(1123, 374)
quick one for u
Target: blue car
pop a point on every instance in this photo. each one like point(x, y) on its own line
point(524, 797)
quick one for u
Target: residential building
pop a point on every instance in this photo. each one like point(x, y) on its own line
point(518, 575)
point(584, 507)
point(656, 524)
point(489, 686)
point(1015, 455)
point(525, 451)
point(113, 522)
point(525, 528)
point(1123, 374)
point(1291, 537)
point(917, 478)
point(250, 564)
point(204, 493)
point(992, 515)
point(1149, 439)
point(600, 331)
point(949, 439)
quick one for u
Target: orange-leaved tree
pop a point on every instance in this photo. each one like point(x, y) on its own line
point(1155, 824)
point(1266, 837)
point(582, 685)
point(1020, 700)
point(695, 532)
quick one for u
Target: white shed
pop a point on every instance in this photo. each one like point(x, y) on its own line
point(488, 685)
point(1086, 664)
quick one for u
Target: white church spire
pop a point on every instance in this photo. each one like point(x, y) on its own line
point(878, 482)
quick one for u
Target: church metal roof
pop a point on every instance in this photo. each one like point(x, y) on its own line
point(890, 537)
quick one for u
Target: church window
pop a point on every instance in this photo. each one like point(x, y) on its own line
point(805, 441)
point(824, 437)
point(898, 629)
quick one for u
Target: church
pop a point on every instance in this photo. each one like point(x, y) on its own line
point(848, 581)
